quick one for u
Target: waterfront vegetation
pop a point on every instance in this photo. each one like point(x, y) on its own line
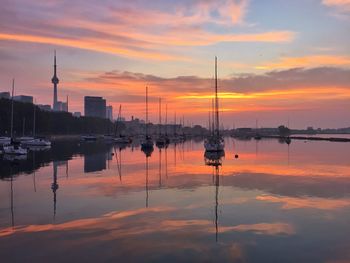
point(48, 122)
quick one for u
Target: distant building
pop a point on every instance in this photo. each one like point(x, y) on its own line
point(44, 107)
point(64, 106)
point(5, 95)
point(23, 98)
point(55, 81)
point(94, 107)
point(77, 114)
point(109, 113)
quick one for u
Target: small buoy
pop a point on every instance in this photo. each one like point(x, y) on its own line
point(236, 156)
point(112, 154)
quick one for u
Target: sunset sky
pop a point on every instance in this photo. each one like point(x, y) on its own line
point(277, 60)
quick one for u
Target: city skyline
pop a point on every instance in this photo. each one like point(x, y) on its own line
point(276, 61)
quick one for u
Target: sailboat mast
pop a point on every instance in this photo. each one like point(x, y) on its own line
point(34, 121)
point(118, 119)
point(213, 119)
point(146, 111)
point(23, 126)
point(13, 93)
point(209, 126)
point(160, 116)
point(175, 124)
point(216, 99)
point(166, 119)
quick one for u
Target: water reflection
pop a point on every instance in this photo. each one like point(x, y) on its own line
point(94, 162)
point(54, 187)
point(214, 159)
point(276, 202)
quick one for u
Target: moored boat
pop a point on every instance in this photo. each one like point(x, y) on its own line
point(14, 150)
point(5, 140)
point(215, 143)
point(37, 142)
point(88, 138)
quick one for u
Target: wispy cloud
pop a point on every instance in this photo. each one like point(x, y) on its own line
point(341, 5)
point(310, 203)
point(144, 32)
point(307, 62)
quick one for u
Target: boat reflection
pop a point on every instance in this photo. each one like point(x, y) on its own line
point(35, 148)
point(13, 158)
point(213, 158)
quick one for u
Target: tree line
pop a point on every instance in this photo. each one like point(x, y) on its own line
point(47, 122)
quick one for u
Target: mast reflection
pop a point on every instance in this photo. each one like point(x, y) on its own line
point(54, 187)
point(160, 168)
point(214, 159)
point(118, 158)
point(148, 152)
point(12, 209)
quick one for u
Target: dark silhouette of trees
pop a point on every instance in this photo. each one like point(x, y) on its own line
point(48, 122)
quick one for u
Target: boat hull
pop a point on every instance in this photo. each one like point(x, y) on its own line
point(5, 140)
point(214, 146)
point(37, 143)
point(11, 150)
point(89, 138)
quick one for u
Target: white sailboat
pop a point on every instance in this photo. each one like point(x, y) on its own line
point(5, 140)
point(215, 142)
point(120, 139)
point(35, 142)
point(11, 148)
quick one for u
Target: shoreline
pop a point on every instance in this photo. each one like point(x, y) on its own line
point(308, 138)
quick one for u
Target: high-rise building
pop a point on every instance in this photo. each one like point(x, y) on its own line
point(23, 98)
point(109, 112)
point(5, 95)
point(94, 107)
point(55, 81)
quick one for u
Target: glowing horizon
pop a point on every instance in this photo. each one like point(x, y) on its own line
point(275, 61)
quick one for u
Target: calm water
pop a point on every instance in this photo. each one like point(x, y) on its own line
point(96, 203)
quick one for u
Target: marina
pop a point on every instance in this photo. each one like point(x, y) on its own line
point(178, 200)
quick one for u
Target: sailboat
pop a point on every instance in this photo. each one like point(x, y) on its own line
point(12, 149)
point(147, 143)
point(36, 142)
point(5, 140)
point(215, 143)
point(257, 135)
point(161, 140)
point(167, 140)
point(120, 138)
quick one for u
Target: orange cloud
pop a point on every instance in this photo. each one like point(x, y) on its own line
point(262, 228)
point(141, 33)
point(307, 62)
point(343, 4)
point(88, 44)
point(296, 89)
point(311, 202)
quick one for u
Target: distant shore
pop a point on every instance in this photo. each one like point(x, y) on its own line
point(309, 138)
